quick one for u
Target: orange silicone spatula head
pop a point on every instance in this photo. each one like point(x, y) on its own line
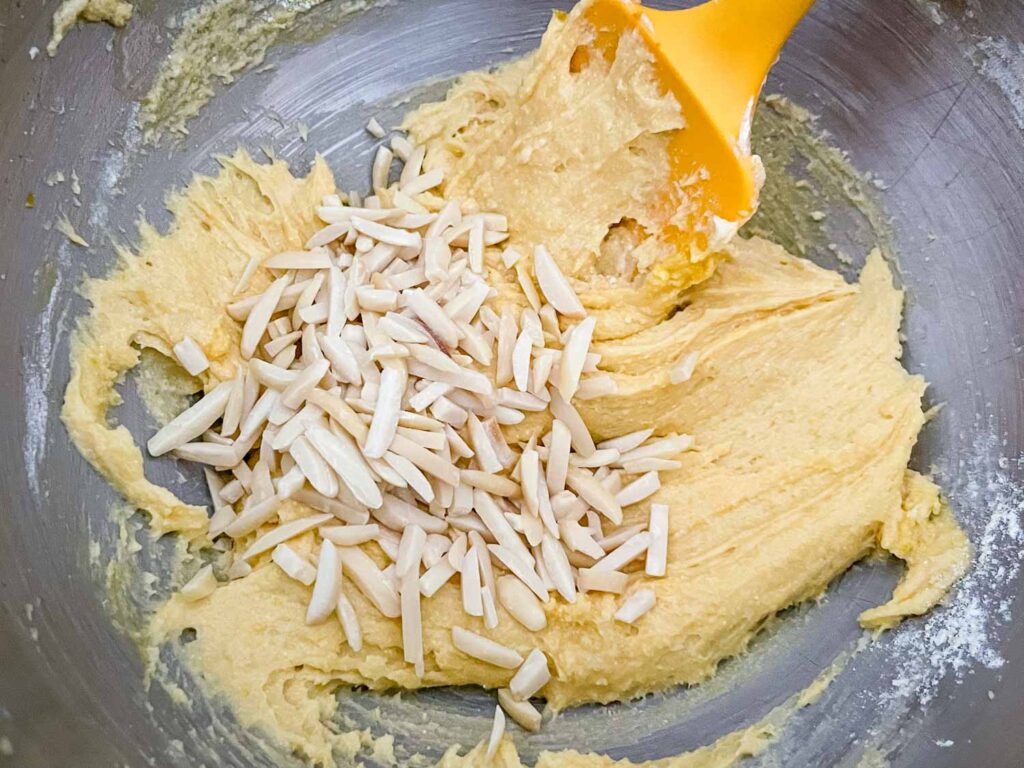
point(714, 58)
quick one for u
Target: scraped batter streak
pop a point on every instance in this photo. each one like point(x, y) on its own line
point(803, 418)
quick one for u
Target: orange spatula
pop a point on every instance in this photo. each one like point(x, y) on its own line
point(714, 58)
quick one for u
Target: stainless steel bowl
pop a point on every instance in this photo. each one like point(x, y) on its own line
point(927, 98)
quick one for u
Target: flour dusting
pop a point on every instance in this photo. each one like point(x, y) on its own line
point(963, 633)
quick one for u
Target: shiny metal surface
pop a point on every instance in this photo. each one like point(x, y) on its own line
point(922, 95)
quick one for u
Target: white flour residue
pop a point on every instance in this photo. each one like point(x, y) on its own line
point(1002, 63)
point(37, 369)
point(963, 633)
point(114, 168)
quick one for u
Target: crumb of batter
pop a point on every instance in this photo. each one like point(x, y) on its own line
point(117, 13)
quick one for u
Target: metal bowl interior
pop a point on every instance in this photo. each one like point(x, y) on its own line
point(923, 97)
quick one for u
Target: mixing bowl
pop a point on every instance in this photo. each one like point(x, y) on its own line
point(927, 99)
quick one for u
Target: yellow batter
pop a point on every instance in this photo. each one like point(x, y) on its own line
point(802, 416)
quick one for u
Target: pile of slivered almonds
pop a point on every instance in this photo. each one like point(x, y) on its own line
point(375, 384)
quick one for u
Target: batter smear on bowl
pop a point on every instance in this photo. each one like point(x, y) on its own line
point(485, 426)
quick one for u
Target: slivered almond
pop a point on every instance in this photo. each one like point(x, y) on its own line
point(529, 472)
point(350, 535)
point(347, 512)
point(472, 601)
point(191, 423)
point(650, 465)
point(289, 483)
point(658, 449)
point(521, 568)
point(434, 358)
point(639, 489)
point(683, 369)
point(523, 401)
point(592, 580)
point(374, 129)
point(558, 568)
point(497, 732)
point(531, 676)
point(389, 542)
point(314, 466)
point(424, 182)
point(492, 483)
point(201, 585)
point(464, 305)
point(271, 375)
point(486, 455)
point(328, 234)
point(495, 522)
point(221, 498)
point(349, 623)
point(389, 403)
point(385, 234)
point(593, 387)
point(574, 356)
point(624, 554)
point(558, 456)
point(600, 458)
point(274, 347)
point(523, 712)
point(382, 160)
point(521, 352)
point(283, 533)
point(506, 343)
point(635, 606)
point(436, 548)
point(429, 462)
point(314, 258)
point(191, 356)
point(521, 603)
point(619, 536)
point(657, 551)
point(436, 577)
point(435, 319)
point(508, 416)
point(410, 551)
point(411, 474)
point(295, 394)
point(412, 628)
point(483, 557)
point(246, 277)
point(397, 514)
point(580, 435)
point(327, 588)
point(239, 310)
point(214, 454)
point(259, 316)
point(595, 494)
point(253, 516)
point(485, 649)
point(346, 460)
point(340, 411)
point(578, 539)
point(554, 285)
point(293, 564)
point(365, 574)
point(476, 246)
point(528, 288)
point(426, 396)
